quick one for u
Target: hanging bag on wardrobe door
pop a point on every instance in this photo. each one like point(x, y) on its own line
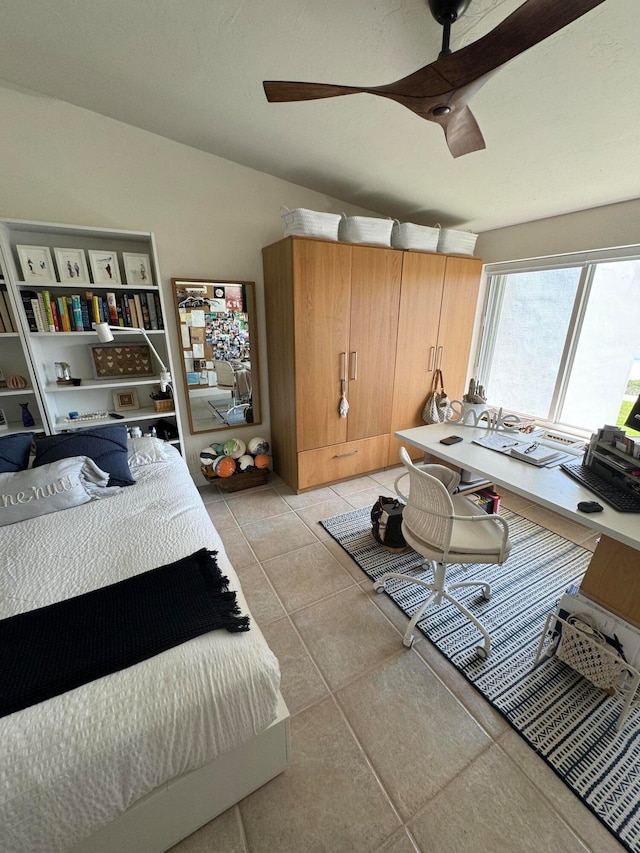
point(437, 407)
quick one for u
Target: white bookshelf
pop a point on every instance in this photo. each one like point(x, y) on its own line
point(33, 353)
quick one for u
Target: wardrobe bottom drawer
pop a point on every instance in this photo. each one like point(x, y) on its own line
point(339, 461)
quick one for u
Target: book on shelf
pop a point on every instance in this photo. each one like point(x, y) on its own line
point(126, 310)
point(39, 317)
point(63, 314)
point(70, 315)
point(54, 314)
point(113, 309)
point(146, 317)
point(156, 299)
point(43, 312)
point(6, 314)
point(138, 304)
point(26, 296)
point(153, 314)
point(46, 305)
point(77, 312)
point(535, 454)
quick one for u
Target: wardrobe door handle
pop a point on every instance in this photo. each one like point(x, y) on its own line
point(354, 365)
point(432, 359)
point(343, 377)
point(440, 355)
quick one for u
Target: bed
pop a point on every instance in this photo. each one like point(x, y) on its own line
point(135, 760)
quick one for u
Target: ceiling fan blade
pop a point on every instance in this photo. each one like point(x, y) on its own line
point(462, 133)
point(530, 24)
point(278, 91)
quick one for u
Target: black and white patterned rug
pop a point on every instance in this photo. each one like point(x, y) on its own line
point(569, 722)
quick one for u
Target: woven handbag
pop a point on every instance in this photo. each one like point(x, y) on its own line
point(437, 407)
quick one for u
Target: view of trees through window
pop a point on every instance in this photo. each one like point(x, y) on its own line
point(562, 344)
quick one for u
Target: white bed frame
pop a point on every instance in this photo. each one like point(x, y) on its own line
point(176, 809)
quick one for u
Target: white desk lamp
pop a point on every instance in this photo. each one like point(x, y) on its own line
point(105, 334)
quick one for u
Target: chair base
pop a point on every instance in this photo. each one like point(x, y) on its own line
point(439, 590)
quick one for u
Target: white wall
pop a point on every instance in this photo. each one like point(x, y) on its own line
point(597, 228)
point(211, 217)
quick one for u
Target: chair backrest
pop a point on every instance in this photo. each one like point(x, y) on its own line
point(225, 374)
point(427, 494)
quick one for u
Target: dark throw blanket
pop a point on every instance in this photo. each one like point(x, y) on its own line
point(47, 651)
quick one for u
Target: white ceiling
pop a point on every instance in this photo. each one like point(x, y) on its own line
point(561, 122)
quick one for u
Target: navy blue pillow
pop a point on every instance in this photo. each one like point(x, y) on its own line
point(107, 446)
point(14, 452)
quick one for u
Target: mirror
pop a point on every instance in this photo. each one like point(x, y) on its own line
point(217, 333)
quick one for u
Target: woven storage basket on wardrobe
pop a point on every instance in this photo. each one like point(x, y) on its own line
point(452, 242)
point(365, 229)
point(310, 223)
point(408, 235)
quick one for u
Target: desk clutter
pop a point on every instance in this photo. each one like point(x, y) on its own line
point(376, 231)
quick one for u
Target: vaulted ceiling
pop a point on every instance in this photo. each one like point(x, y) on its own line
point(561, 121)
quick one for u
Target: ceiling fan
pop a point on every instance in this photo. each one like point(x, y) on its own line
point(440, 91)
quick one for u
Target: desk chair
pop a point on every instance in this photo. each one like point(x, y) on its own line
point(446, 529)
point(227, 380)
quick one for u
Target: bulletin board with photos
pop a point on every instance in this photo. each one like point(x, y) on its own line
point(216, 322)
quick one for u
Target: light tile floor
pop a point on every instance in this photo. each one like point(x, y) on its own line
point(392, 750)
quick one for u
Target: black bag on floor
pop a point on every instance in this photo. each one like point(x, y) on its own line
point(386, 523)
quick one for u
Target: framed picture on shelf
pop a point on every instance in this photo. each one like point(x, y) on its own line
point(3, 421)
point(121, 361)
point(72, 266)
point(137, 268)
point(104, 266)
point(36, 263)
point(125, 400)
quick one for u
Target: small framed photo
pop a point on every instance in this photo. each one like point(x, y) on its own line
point(104, 266)
point(72, 266)
point(137, 268)
point(3, 421)
point(124, 400)
point(36, 263)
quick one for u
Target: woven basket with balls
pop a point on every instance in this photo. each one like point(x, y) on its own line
point(235, 464)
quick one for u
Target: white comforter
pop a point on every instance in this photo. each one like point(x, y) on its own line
point(74, 762)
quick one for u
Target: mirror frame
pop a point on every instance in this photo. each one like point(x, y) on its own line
point(199, 289)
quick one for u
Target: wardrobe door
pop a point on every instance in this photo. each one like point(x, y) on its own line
point(457, 317)
point(375, 297)
point(322, 298)
point(417, 346)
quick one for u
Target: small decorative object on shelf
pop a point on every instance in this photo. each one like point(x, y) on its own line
point(3, 421)
point(16, 383)
point(27, 417)
point(63, 373)
point(162, 400)
point(235, 464)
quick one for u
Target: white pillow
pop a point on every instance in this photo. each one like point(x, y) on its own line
point(145, 449)
point(57, 485)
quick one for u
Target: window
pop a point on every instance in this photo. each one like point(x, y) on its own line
point(561, 338)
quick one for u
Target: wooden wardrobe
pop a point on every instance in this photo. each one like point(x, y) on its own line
point(372, 322)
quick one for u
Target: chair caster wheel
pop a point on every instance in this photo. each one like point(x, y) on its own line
point(409, 643)
point(482, 652)
point(378, 587)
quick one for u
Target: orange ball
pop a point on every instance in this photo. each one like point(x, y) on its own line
point(226, 466)
point(261, 460)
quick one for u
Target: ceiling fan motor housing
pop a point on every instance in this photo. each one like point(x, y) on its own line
point(448, 11)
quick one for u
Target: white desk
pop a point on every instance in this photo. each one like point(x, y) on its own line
point(613, 576)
